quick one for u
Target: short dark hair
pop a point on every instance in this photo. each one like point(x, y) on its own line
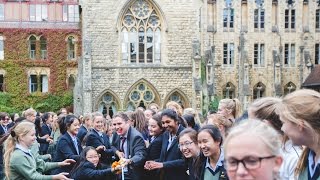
point(122, 115)
point(66, 122)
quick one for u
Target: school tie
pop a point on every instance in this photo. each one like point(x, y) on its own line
point(75, 142)
point(123, 139)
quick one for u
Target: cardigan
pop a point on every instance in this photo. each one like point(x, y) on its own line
point(25, 166)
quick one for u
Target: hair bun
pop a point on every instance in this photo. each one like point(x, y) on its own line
point(13, 134)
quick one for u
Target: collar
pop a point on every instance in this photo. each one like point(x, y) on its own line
point(27, 151)
point(312, 164)
point(100, 133)
point(219, 163)
point(72, 136)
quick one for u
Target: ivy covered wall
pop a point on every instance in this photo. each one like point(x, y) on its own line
point(16, 64)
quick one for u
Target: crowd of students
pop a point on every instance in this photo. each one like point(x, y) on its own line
point(277, 138)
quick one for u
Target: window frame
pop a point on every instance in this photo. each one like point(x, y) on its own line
point(32, 43)
point(290, 19)
point(289, 55)
point(2, 12)
point(259, 19)
point(228, 19)
point(317, 20)
point(317, 53)
point(38, 12)
point(259, 54)
point(33, 85)
point(228, 54)
point(141, 35)
point(1, 48)
point(71, 13)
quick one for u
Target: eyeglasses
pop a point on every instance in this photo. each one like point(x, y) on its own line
point(250, 162)
point(186, 144)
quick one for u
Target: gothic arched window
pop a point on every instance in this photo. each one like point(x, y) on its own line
point(289, 88)
point(71, 48)
point(140, 96)
point(43, 47)
point(229, 91)
point(32, 47)
point(259, 90)
point(71, 82)
point(108, 104)
point(141, 34)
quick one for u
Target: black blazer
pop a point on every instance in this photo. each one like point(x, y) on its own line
point(94, 140)
point(44, 144)
point(88, 171)
point(174, 166)
point(66, 150)
point(82, 133)
point(136, 149)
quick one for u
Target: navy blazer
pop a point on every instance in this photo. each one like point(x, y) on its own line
point(94, 140)
point(174, 166)
point(136, 149)
point(88, 171)
point(82, 133)
point(154, 149)
point(45, 129)
point(66, 150)
point(2, 132)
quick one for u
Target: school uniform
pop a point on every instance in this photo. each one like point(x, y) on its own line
point(82, 133)
point(153, 153)
point(88, 171)
point(134, 148)
point(45, 129)
point(24, 166)
point(312, 171)
point(96, 139)
point(214, 173)
point(174, 167)
point(67, 148)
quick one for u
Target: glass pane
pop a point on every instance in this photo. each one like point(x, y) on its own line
point(142, 87)
point(135, 95)
point(148, 96)
point(149, 46)
point(107, 98)
point(141, 46)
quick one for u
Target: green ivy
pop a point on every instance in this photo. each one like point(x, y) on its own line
point(17, 62)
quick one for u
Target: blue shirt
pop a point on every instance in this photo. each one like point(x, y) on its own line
point(219, 163)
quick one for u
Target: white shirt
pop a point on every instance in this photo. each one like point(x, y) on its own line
point(290, 155)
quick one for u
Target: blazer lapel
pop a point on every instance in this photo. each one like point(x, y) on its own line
point(175, 141)
point(72, 144)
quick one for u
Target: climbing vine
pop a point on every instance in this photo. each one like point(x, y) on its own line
point(17, 62)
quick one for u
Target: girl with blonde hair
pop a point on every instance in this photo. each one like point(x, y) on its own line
point(221, 122)
point(20, 163)
point(265, 109)
point(230, 108)
point(300, 114)
point(252, 151)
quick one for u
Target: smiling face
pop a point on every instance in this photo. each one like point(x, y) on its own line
point(121, 126)
point(188, 148)
point(170, 124)
point(28, 139)
point(74, 127)
point(207, 145)
point(98, 123)
point(5, 121)
point(251, 146)
point(93, 157)
point(153, 127)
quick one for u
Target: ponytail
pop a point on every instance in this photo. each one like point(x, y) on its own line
point(237, 111)
point(9, 147)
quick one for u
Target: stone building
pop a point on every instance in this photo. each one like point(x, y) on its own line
point(140, 51)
